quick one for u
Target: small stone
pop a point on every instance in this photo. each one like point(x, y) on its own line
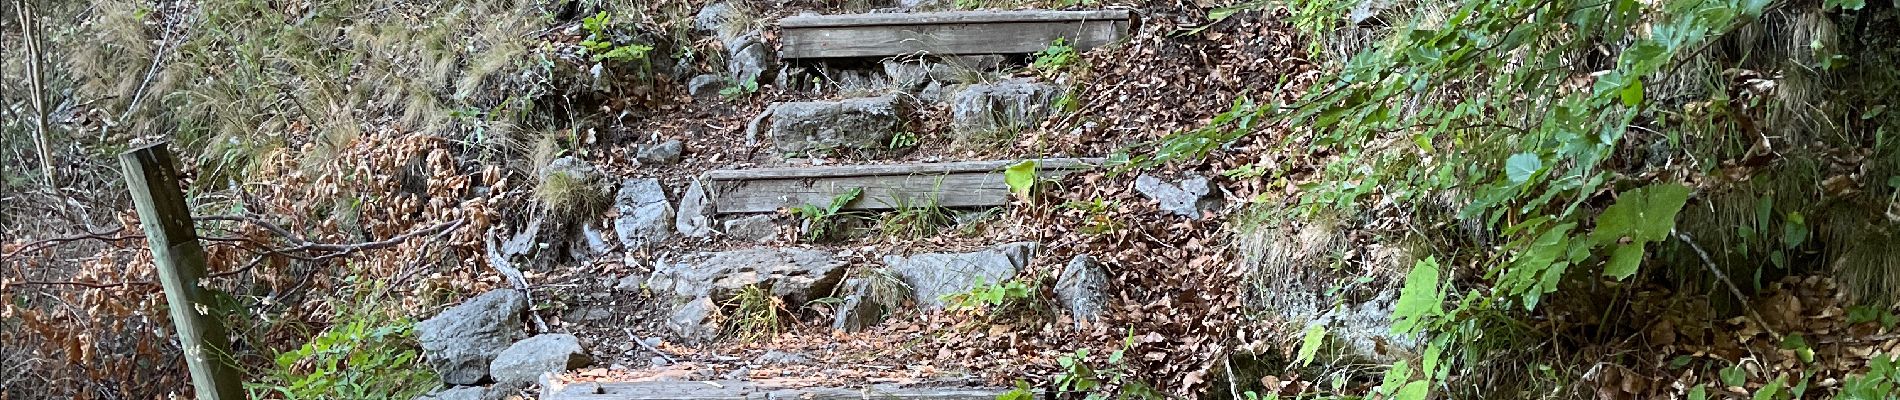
point(589, 314)
point(658, 361)
point(858, 310)
point(1191, 197)
point(907, 76)
point(631, 283)
point(1080, 288)
point(705, 86)
point(693, 320)
point(643, 213)
point(695, 214)
point(525, 361)
point(665, 153)
point(461, 341)
point(755, 228)
point(776, 357)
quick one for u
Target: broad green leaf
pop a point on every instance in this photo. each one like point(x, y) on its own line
point(1734, 376)
point(1021, 178)
point(1521, 166)
point(1769, 391)
point(1795, 230)
point(1624, 261)
point(1699, 392)
point(1633, 94)
point(1416, 390)
point(1315, 336)
point(1419, 298)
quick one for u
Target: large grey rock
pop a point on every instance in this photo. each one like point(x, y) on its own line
point(796, 275)
point(1080, 288)
point(644, 213)
point(908, 76)
point(459, 393)
point(754, 228)
point(664, 153)
point(526, 360)
point(705, 86)
point(859, 123)
point(931, 276)
point(1191, 197)
point(693, 320)
point(746, 58)
point(694, 218)
point(1012, 104)
point(859, 310)
point(461, 341)
point(716, 17)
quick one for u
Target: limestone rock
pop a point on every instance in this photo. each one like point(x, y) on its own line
point(695, 213)
point(525, 361)
point(1190, 197)
point(796, 275)
point(715, 17)
point(860, 123)
point(665, 153)
point(755, 228)
point(746, 58)
point(644, 213)
point(461, 341)
point(460, 393)
point(693, 320)
point(1003, 105)
point(858, 310)
point(1080, 288)
point(705, 86)
point(932, 276)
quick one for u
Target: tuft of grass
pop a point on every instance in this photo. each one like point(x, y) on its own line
point(755, 315)
point(568, 193)
point(913, 219)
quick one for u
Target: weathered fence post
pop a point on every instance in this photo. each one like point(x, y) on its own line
point(152, 176)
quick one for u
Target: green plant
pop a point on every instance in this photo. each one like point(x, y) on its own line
point(914, 218)
point(364, 356)
point(1078, 376)
point(565, 192)
point(755, 315)
point(821, 222)
point(1095, 215)
point(903, 139)
point(1022, 179)
point(1053, 60)
point(1881, 382)
point(600, 43)
point(737, 90)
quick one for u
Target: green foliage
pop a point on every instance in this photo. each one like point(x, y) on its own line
point(1021, 392)
point(902, 140)
point(1021, 178)
point(994, 297)
point(1243, 117)
point(600, 43)
point(1639, 217)
point(738, 90)
point(755, 315)
point(1081, 377)
point(1058, 57)
point(365, 356)
point(1881, 382)
point(1310, 344)
point(821, 222)
point(1419, 299)
point(914, 218)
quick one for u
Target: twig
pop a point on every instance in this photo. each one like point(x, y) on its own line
point(336, 250)
point(1735, 290)
point(643, 344)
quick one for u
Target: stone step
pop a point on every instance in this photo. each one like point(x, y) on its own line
point(946, 33)
point(954, 184)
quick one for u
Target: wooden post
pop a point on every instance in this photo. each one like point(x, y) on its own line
point(153, 178)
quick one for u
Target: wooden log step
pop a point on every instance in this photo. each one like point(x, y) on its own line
point(956, 184)
point(947, 33)
point(745, 390)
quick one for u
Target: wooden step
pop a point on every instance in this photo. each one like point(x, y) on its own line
point(946, 33)
point(955, 184)
point(746, 390)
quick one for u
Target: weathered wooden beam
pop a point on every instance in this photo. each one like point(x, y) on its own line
point(947, 33)
point(959, 184)
point(152, 176)
point(744, 390)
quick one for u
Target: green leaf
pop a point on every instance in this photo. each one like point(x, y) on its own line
point(1769, 391)
point(1633, 94)
point(1845, 4)
point(1416, 390)
point(1699, 392)
point(1420, 298)
point(1021, 178)
point(1734, 376)
point(1794, 231)
point(1521, 166)
point(1798, 344)
point(1624, 261)
point(1309, 346)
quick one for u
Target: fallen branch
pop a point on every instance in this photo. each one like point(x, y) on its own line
point(1734, 290)
point(643, 344)
point(335, 250)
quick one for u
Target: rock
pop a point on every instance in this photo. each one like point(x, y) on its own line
point(693, 320)
point(746, 58)
point(576, 168)
point(1079, 288)
point(630, 283)
point(961, 68)
point(461, 341)
point(1002, 106)
point(589, 314)
point(859, 310)
point(644, 213)
point(460, 393)
point(932, 276)
point(665, 153)
point(796, 275)
point(932, 92)
point(526, 360)
point(755, 228)
point(776, 357)
point(1190, 197)
point(908, 76)
point(658, 361)
point(715, 17)
point(860, 123)
point(705, 86)
point(695, 213)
